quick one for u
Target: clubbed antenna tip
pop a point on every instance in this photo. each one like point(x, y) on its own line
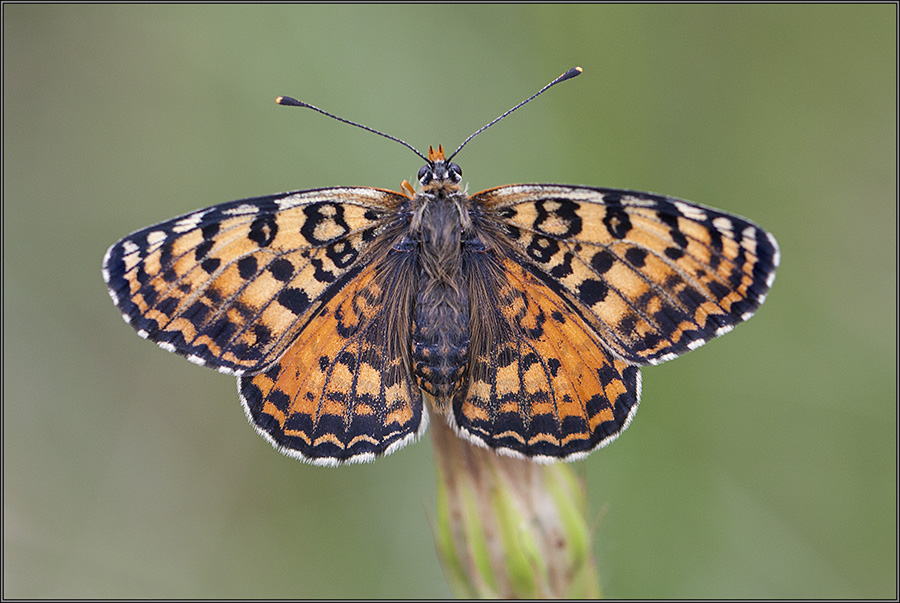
point(574, 71)
point(293, 102)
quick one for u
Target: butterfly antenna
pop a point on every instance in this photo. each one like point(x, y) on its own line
point(574, 71)
point(293, 102)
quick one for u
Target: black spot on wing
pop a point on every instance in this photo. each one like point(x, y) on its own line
point(263, 230)
point(295, 300)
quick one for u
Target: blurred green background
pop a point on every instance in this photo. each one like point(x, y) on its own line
point(762, 465)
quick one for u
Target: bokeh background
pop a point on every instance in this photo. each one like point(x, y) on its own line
point(762, 465)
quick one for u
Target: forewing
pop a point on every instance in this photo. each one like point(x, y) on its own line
point(652, 276)
point(541, 384)
point(343, 391)
point(230, 286)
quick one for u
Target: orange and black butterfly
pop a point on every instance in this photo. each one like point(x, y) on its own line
point(521, 315)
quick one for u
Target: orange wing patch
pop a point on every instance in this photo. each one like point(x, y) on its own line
point(541, 384)
point(342, 391)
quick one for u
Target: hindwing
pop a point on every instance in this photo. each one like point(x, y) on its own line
point(541, 383)
point(343, 391)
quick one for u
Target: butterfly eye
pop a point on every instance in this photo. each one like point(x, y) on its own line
point(425, 174)
point(455, 172)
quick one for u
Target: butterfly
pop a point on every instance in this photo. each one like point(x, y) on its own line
point(521, 314)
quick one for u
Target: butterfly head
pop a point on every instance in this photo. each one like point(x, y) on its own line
point(439, 173)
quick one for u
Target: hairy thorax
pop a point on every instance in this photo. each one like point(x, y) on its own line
point(440, 329)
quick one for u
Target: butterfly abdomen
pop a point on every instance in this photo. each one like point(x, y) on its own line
point(440, 329)
point(440, 338)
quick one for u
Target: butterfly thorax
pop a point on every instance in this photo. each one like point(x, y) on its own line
point(440, 229)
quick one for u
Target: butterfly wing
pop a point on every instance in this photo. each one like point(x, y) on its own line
point(584, 285)
point(653, 276)
point(230, 286)
point(540, 383)
point(343, 391)
point(301, 296)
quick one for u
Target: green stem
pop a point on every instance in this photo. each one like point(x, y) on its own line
point(509, 527)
